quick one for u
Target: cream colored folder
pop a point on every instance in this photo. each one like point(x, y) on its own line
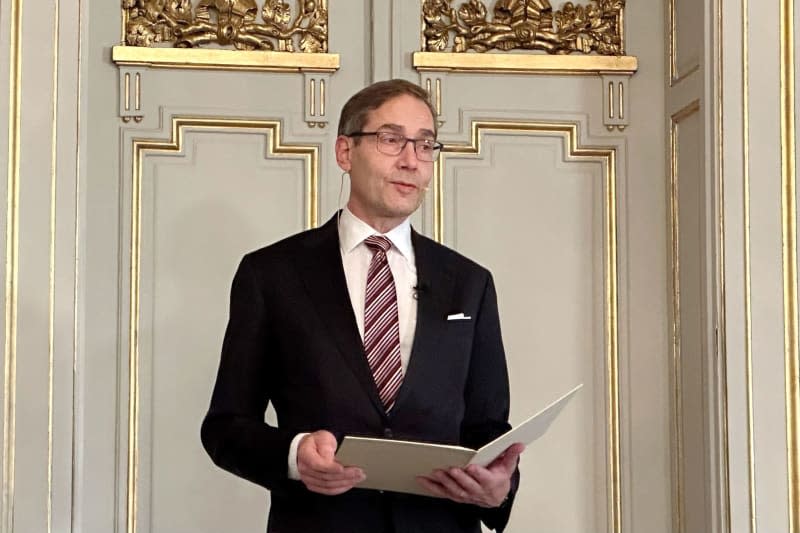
point(394, 464)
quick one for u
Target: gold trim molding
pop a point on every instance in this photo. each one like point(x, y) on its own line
point(672, 49)
point(524, 63)
point(748, 321)
point(12, 266)
point(607, 156)
point(789, 249)
point(678, 510)
point(175, 144)
point(216, 59)
point(228, 23)
point(524, 24)
point(724, 503)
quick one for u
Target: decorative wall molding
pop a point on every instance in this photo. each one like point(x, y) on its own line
point(181, 128)
point(285, 40)
point(135, 64)
point(524, 24)
point(228, 23)
point(216, 59)
point(678, 421)
point(574, 151)
point(130, 94)
point(504, 63)
point(577, 40)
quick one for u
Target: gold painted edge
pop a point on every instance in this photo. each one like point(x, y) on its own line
point(438, 200)
point(52, 266)
point(140, 147)
point(671, 39)
point(675, 77)
point(677, 362)
point(524, 63)
point(76, 266)
point(676, 80)
point(215, 59)
point(606, 155)
point(789, 249)
point(612, 330)
point(722, 345)
point(748, 346)
point(12, 263)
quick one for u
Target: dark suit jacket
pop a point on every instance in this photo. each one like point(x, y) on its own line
point(292, 340)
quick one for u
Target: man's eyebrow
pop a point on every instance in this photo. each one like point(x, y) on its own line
point(388, 126)
point(400, 129)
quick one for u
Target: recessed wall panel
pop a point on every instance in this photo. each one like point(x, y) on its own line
point(537, 222)
point(200, 213)
point(690, 296)
point(687, 37)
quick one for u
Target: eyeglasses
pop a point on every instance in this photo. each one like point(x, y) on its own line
point(393, 143)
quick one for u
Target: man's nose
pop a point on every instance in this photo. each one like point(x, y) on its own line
point(408, 156)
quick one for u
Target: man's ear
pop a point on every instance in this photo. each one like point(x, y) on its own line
point(343, 148)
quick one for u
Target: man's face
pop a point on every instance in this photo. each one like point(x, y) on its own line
point(386, 189)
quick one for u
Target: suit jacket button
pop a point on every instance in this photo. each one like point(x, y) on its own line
point(387, 432)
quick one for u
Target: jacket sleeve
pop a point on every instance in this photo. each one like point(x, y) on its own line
point(234, 432)
point(487, 395)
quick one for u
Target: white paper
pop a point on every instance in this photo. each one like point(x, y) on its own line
point(527, 432)
point(394, 464)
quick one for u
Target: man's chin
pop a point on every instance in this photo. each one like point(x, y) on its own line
point(404, 210)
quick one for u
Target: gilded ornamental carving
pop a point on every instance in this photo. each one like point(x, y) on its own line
point(240, 24)
point(524, 24)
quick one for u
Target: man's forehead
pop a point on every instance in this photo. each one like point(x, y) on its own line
point(402, 114)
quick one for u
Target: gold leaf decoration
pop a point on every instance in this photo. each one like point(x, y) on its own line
point(524, 24)
point(228, 23)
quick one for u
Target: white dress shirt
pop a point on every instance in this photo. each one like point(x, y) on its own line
point(356, 257)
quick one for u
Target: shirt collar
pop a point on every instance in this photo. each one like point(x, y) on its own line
point(353, 231)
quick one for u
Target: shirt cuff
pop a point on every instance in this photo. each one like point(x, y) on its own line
point(293, 472)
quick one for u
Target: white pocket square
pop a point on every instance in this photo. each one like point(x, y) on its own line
point(458, 316)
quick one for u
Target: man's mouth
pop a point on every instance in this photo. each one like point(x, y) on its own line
point(404, 185)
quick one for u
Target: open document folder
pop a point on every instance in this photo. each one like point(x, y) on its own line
point(394, 464)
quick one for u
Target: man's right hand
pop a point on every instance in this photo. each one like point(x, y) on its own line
point(318, 468)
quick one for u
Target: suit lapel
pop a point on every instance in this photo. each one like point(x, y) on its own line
point(320, 266)
point(436, 282)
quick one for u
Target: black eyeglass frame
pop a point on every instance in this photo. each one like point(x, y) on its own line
point(437, 146)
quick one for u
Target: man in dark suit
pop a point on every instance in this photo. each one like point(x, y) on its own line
point(364, 327)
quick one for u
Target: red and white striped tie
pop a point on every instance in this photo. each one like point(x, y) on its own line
point(381, 325)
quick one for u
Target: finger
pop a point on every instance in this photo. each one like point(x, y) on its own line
point(452, 488)
point(321, 467)
point(508, 461)
point(484, 476)
point(327, 485)
point(326, 445)
point(328, 491)
point(314, 452)
point(351, 473)
point(323, 442)
point(466, 481)
point(432, 486)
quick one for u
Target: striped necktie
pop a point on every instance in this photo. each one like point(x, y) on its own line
point(381, 325)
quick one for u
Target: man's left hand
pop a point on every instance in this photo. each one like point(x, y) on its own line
point(483, 486)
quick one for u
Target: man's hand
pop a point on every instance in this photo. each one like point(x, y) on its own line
point(318, 468)
point(476, 485)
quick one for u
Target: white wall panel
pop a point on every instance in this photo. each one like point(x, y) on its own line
point(221, 196)
point(537, 223)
